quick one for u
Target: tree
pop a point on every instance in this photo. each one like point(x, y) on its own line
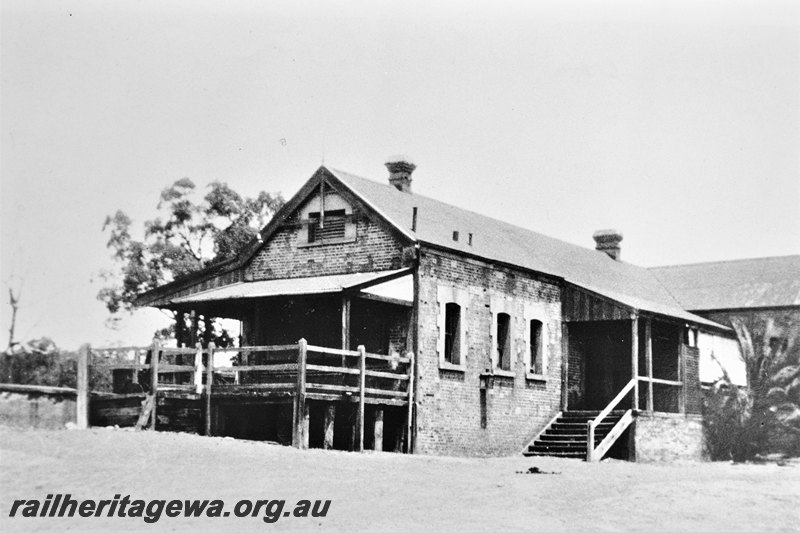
point(13, 301)
point(187, 236)
point(14, 284)
point(765, 416)
point(41, 362)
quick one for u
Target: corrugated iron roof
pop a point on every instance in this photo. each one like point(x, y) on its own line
point(493, 239)
point(291, 286)
point(744, 283)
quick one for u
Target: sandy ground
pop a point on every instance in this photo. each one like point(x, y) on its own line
point(386, 492)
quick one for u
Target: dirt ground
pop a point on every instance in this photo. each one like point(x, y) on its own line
point(383, 491)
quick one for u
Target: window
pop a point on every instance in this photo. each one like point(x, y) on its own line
point(452, 333)
point(329, 228)
point(536, 340)
point(503, 336)
point(535, 352)
point(505, 339)
point(451, 346)
point(690, 337)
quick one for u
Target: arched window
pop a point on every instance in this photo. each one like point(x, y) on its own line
point(535, 352)
point(503, 336)
point(451, 323)
point(452, 333)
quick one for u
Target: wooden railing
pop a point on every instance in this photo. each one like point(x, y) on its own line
point(302, 370)
point(660, 402)
point(596, 453)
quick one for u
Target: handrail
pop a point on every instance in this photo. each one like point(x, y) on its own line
point(333, 351)
point(122, 366)
point(204, 364)
point(266, 348)
point(121, 348)
point(623, 423)
point(249, 368)
point(177, 351)
point(356, 353)
point(658, 381)
point(176, 369)
point(592, 424)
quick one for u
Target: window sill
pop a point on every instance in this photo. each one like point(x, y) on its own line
point(530, 376)
point(325, 243)
point(504, 373)
point(449, 366)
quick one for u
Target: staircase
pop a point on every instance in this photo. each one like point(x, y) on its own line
point(566, 436)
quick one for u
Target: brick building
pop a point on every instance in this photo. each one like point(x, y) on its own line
point(518, 341)
point(760, 298)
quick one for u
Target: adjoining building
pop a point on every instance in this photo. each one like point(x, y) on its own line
point(763, 294)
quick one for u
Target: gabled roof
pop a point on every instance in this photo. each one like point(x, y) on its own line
point(492, 239)
point(740, 284)
point(499, 241)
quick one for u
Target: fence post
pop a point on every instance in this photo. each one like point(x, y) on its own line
point(329, 422)
point(209, 383)
point(154, 357)
point(635, 358)
point(298, 435)
point(377, 432)
point(82, 400)
point(648, 338)
point(198, 369)
point(362, 375)
point(410, 414)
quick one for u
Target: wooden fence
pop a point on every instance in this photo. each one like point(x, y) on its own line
point(300, 370)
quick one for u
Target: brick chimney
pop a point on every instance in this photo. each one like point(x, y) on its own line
point(400, 169)
point(607, 240)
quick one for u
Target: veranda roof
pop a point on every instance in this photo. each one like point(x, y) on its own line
point(290, 287)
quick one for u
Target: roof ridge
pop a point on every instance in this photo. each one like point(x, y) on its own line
point(721, 261)
point(470, 211)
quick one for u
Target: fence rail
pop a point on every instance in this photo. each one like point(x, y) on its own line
point(300, 368)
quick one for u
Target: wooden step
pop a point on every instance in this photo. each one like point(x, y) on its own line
point(588, 414)
point(572, 455)
point(560, 426)
point(565, 437)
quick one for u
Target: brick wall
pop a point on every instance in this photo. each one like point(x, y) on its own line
point(449, 408)
point(694, 395)
point(664, 437)
point(284, 256)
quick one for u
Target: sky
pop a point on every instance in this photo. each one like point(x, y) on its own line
point(677, 123)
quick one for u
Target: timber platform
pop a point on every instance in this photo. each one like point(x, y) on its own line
point(295, 394)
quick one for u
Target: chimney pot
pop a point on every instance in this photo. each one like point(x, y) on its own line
point(400, 169)
point(607, 240)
